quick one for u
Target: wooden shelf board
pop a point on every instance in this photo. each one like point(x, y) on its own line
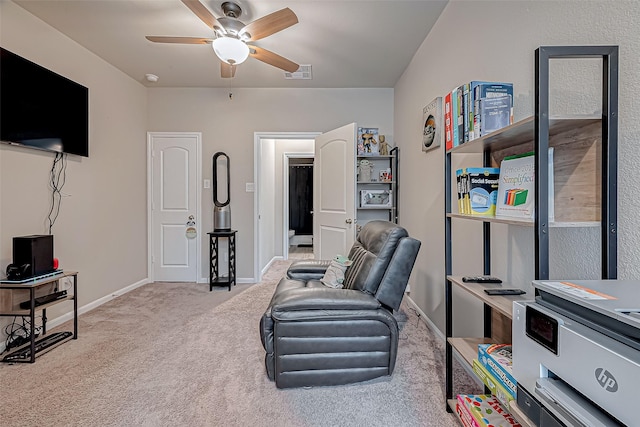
point(376, 156)
point(524, 222)
point(468, 347)
point(375, 182)
point(501, 303)
point(519, 133)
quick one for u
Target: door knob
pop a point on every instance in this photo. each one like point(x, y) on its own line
point(348, 221)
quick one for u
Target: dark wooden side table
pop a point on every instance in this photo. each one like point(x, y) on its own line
point(214, 257)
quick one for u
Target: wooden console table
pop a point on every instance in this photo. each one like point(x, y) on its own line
point(214, 257)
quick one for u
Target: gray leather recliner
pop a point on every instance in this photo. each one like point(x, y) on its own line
point(315, 335)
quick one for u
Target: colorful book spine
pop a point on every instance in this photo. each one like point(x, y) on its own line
point(466, 99)
point(487, 410)
point(464, 415)
point(497, 360)
point(485, 90)
point(501, 393)
point(456, 111)
point(460, 188)
point(448, 121)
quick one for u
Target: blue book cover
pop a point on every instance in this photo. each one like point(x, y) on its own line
point(497, 360)
point(493, 114)
point(490, 90)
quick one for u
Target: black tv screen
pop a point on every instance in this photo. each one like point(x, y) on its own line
point(42, 109)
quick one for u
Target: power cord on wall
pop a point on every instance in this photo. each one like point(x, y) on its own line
point(58, 178)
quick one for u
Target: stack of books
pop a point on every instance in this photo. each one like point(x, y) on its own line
point(475, 109)
point(483, 410)
point(493, 367)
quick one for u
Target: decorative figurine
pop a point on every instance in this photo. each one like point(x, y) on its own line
point(364, 171)
point(383, 146)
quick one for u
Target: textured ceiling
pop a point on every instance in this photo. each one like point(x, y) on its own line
point(348, 43)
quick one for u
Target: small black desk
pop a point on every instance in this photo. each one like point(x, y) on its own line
point(214, 255)
point(13, 293)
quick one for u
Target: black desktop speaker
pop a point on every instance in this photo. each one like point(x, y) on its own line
point(37, 251)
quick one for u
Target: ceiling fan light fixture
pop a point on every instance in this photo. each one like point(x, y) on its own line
point(230, 50)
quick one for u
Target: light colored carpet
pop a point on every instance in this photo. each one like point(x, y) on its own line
point(161, 356)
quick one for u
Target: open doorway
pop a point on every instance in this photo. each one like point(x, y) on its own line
point(272, 152)
point(299, 214)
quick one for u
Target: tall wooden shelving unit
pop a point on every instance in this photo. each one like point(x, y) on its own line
point(585, 156)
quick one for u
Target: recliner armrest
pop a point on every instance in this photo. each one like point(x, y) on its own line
point(322, 299)
point(308, 269)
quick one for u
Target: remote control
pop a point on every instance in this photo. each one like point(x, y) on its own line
point(481, 279)
point(504, 291)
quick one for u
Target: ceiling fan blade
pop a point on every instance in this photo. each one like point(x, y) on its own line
point(181, 40)
point(226, 70)
point(274, 59)
point(203, 13)
point(270, 24)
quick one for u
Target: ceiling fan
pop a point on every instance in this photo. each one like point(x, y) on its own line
point(230, 41)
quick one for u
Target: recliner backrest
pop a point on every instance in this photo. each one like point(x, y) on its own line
point(383, 257)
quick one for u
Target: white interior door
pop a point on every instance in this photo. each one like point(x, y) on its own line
point(175, 229)
point(334, 188)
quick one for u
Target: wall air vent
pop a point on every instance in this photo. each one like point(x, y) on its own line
point(303, 73)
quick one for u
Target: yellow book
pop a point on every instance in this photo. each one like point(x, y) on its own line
point(497, 389)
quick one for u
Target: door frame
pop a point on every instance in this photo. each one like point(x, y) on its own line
point(150, 239)
point(285, 197)
point(257, 162)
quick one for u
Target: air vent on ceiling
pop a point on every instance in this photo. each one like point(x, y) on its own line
point(303, 73)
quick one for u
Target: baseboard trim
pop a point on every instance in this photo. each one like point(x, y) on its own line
point(57, 321)
point(97, 303)
point(435, 330)
point(266, 267)
point(432, 326)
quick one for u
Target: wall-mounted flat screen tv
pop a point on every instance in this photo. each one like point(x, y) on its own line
point(42, 109)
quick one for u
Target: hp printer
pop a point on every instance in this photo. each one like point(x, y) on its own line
point(576, 353)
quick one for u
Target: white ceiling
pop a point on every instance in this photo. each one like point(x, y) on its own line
point(349, 43)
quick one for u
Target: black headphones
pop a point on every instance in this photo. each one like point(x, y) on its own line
point(17, 272)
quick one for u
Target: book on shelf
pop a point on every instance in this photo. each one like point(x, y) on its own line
point(448, 122)
point(492, 383)
point(460, 188)
point(486, 410)
point(465, 417)
point(478, 90)
point(457, 116)
point(516, 187)
point(492, 114)
point(484, 90)
point(466, 101)
point(478, 190)
point(498, 361)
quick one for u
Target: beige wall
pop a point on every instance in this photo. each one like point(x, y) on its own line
point(102, 227)
point(229, 125)
point(101, 230)
point(495, 40)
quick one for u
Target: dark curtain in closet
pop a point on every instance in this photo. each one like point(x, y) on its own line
point(301, 199)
